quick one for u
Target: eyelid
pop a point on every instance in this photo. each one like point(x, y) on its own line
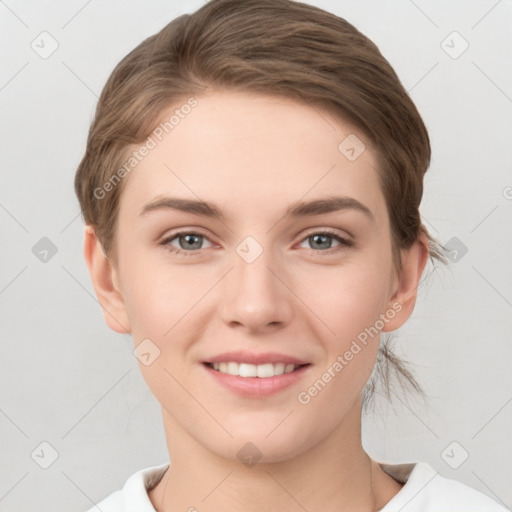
point(345, 235)
point(312, 231)
point(344, 242)
point(184, 231)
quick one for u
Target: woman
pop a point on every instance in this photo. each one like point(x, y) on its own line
point(251, 191)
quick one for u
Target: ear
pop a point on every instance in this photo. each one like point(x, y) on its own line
point(105, 282)
point(403, 300)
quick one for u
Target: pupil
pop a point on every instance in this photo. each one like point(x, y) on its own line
point(190, 240)
point(325, 244)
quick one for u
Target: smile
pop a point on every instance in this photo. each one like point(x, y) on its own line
point(262, 371)
point(253, 380)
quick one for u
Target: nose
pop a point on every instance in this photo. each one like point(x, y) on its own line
point(256, 297)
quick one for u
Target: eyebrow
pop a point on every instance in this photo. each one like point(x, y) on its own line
point(298, 209)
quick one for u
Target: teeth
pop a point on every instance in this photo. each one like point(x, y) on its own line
point(232, 369)
point(246, 370)
point(265, 370)
point(254, 370)
point(289, 368)
point(279, 368)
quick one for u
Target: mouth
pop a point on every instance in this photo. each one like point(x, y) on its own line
point(247, 370)
point(255, 376)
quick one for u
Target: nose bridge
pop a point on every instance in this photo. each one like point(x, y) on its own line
point(254, 297)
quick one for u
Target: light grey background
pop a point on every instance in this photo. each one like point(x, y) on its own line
point(67, 380)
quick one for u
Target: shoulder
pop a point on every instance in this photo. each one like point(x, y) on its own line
point(113, 502)
point(425, 490)
point(133, 497)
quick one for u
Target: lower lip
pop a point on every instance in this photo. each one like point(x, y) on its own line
point(255, 386)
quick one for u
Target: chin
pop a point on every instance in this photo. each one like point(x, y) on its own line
point(261, 451)
point(251, 443)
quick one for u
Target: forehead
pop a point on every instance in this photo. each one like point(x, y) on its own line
point(250, 151)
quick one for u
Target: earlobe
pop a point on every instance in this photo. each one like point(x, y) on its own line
point(404, 298)
point(103, 277)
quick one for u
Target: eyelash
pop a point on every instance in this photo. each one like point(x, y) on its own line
point(344, 243)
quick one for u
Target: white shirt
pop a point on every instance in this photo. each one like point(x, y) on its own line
point(425, 490)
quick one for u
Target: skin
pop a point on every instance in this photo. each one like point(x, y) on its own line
point(253, 156)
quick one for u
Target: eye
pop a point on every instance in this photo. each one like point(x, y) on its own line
point(187, 242)
point(323, 240)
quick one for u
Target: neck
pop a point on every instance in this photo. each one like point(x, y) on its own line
point(335, 475)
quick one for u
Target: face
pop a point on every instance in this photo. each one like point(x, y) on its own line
point(285, 273)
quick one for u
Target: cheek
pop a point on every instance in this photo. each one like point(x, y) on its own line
point(350, 304)
point(162, 302)
point(350, 299)
point(159, 295)
point(167, 304)
point(351, 307)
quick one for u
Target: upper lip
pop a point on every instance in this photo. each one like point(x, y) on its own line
point(241, 356)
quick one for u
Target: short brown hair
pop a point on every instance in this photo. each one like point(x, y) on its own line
point(277, 47)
